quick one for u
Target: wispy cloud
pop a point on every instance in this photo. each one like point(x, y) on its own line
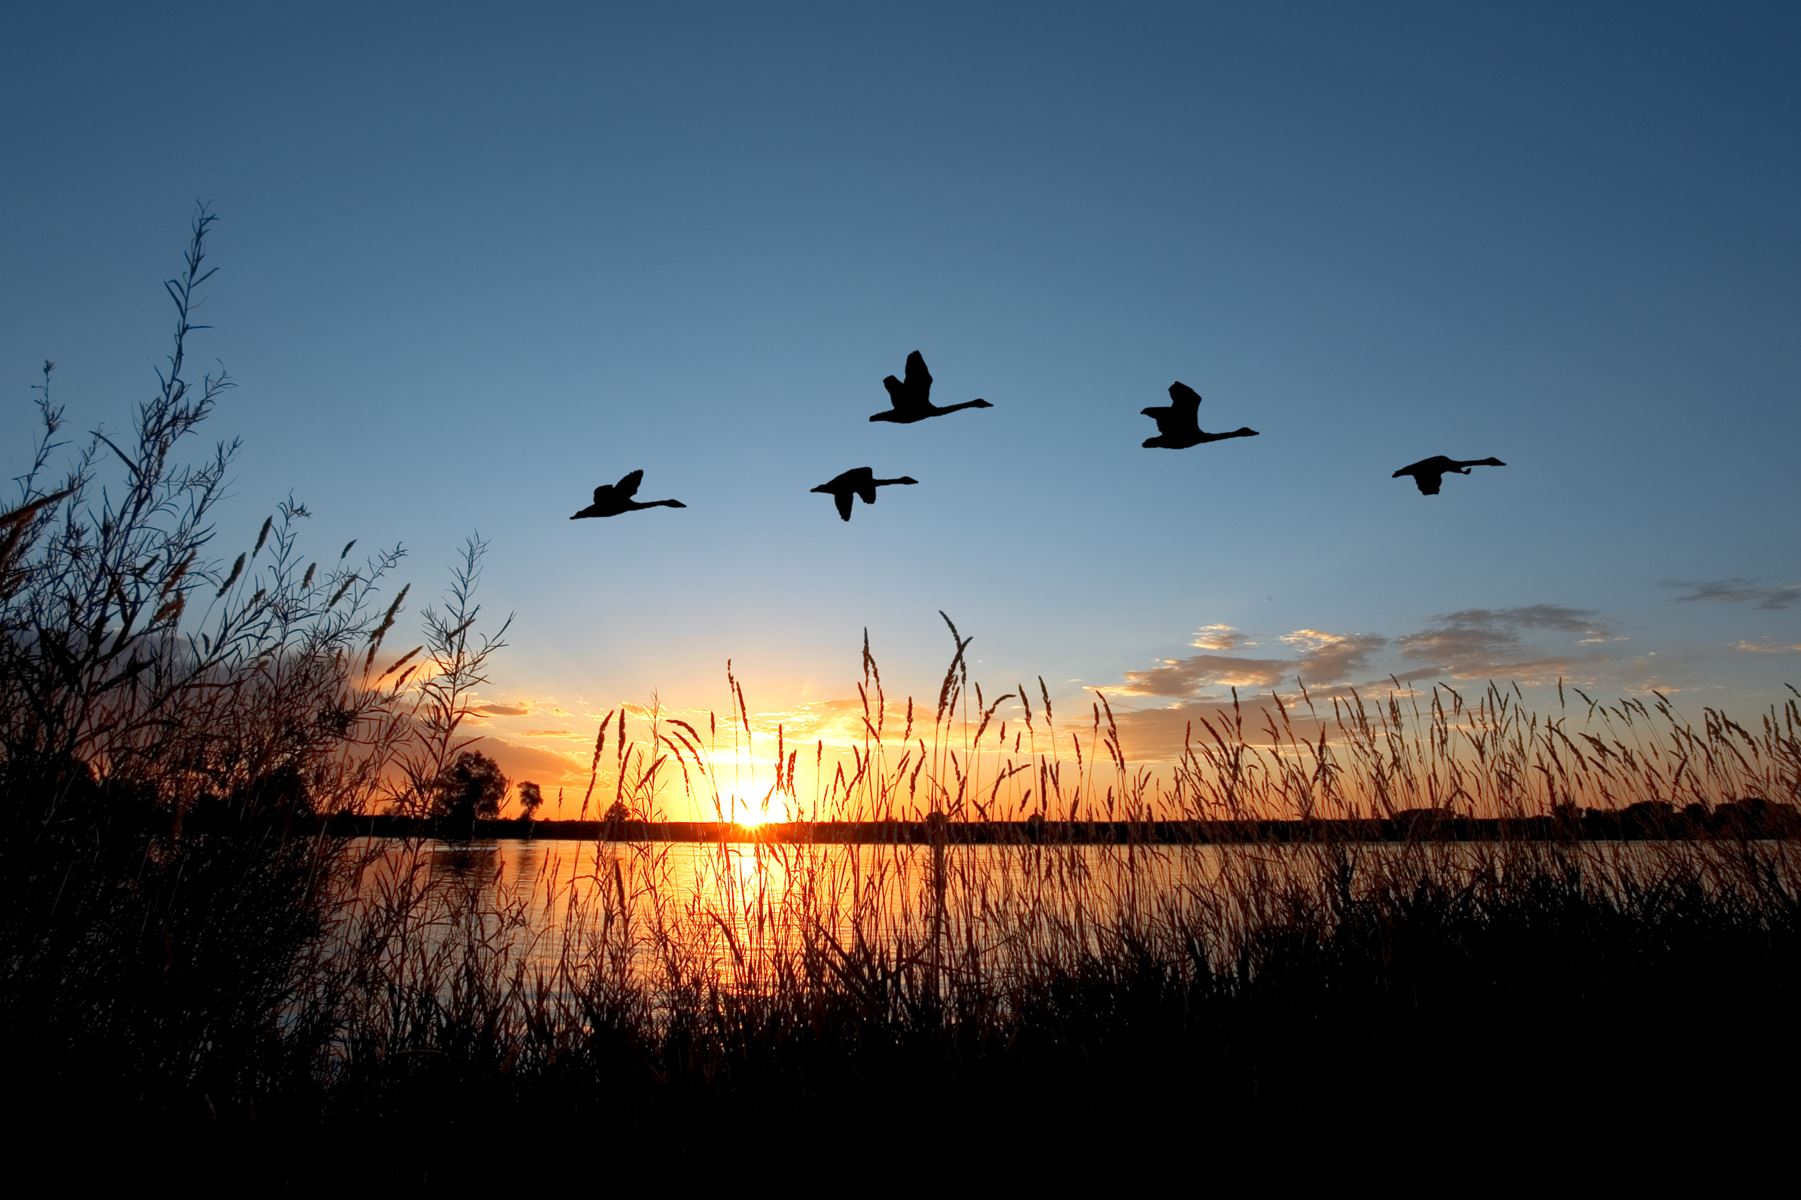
point(1736, 591)
point(544, 766)
point(1475, 642)
point(1219, 637)
point(502, 710)
point(1531, 616)
point(1160, 734)
point(1768, 647)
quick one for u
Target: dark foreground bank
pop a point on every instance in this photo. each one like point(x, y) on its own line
point(1435, 1010)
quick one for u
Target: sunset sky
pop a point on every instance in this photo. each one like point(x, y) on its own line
point(475, 260)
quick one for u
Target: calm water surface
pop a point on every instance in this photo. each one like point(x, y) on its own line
point(740, 910)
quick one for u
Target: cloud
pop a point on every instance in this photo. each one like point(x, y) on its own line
point(1325, 658)
point(1736, 591)
point(1219, 637)
point(502, 710)
point(1530, 616)
point(1151, 735)
point(1767, 647)
point(1475, 642)
point(546, 767)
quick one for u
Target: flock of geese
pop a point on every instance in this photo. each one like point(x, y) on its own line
point(910, 399)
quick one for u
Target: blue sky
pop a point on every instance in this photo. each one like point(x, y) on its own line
point(474, 261)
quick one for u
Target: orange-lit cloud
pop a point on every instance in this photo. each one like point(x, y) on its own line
point(1325, 658)
point(548, 768)
point(1219, 637)
point(1767, 647)
point(1158, 735)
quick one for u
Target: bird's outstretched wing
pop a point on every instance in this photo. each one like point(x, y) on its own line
point(919, 380)
point(603, 493)
point(860, 480)
point(843, 501)
point(1186, 400)
point(897, 392)
point(1165, 416)
point(628, 484)
point(1427, 474)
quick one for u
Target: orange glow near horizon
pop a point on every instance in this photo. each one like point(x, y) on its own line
point(822, 760)
point(749, 815)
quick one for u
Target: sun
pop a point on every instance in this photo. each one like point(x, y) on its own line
point(749, 814)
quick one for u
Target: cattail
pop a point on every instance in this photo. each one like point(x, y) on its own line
point(236, 569)
point(171, 610)
point(173, 579)
point(306, 580)
point(401, 661)
point(263, 536)
point(600, 743)
point(346, 550)
point(387, 621)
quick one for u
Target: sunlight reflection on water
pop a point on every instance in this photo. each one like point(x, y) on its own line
point(743, 913)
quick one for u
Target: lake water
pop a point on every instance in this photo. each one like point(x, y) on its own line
point(740, 915)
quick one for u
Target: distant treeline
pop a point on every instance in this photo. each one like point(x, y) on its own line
point(1652, 819)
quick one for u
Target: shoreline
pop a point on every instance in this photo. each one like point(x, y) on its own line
point(1738, 820)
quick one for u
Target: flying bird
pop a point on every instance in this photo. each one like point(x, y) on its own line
point(858, 481)
point(912, 398)
point(611, 499)
point(1428, 473)
point(1178, 423)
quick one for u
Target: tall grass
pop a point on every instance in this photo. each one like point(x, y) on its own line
point(847, 996)
point(976, 757)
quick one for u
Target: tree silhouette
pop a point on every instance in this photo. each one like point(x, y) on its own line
point(470, 787)
point(530, 799)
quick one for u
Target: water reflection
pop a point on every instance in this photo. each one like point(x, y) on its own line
point(755, 915)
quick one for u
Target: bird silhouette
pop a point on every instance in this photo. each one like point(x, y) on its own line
point(858, 481)
point(913, 399)
point(611, 499)
point(1178, 424)
point(1428, 473)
